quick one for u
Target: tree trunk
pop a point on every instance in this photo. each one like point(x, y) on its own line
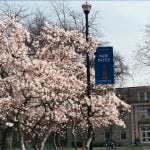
point(36, 143)
point(37, 146)
point(7, 138)
point(89, 143)
point(74, 134)
point(55, 145)
point(74, 139)
point(83, 142)
point(40, 143)
point(45, 139)
point(82, 137)
point(21, 137)
point(22, 144)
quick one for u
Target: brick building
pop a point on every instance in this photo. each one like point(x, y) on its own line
point(137, 121)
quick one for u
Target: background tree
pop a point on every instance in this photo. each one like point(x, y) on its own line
point(142, 53)
point(142, 56)
point(121, 69)
point(13, 10)
point(69, 19)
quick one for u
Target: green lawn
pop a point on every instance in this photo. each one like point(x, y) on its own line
point(104, 148)
point(99, 148)
point(123, 148)
point(131, 148)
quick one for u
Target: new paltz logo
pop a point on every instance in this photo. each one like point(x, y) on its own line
point(104, 66)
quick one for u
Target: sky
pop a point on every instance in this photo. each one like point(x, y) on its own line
point(121, 23)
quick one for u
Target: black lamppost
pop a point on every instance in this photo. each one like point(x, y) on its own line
point(86, 9)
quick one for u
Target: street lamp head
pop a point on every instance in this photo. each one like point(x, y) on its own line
point(86, 7)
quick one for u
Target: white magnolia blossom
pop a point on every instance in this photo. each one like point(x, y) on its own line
point(50, 88)
point(9, 124)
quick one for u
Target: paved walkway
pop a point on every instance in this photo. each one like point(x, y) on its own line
point(146, 147)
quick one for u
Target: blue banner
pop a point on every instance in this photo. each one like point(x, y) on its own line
point(104, 66)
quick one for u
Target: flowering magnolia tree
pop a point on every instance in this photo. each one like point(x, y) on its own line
point(67, 49)
point(13, 60)
point(40, 94)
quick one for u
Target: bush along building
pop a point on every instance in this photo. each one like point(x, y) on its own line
point(137, 130)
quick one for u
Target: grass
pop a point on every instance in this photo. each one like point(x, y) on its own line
point(97, 148)
point(122, 148)
point(132, 148)
point(104, 148)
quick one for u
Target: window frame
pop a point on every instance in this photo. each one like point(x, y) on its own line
point(145, 95)
point(105, 134)
point(121, 133)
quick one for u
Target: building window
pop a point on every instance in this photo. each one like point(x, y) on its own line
point(148, 112)
point(107, 135)
point(144, 95)
point(145, 133)
point(123, 135)
point(148, 95)
point(144, 112)
point(141, 96)
point(143, 116)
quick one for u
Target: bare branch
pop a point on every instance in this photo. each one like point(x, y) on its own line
point(13, 10)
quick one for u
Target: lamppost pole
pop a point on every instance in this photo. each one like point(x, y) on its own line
point(87, 22)
point(86, 9)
